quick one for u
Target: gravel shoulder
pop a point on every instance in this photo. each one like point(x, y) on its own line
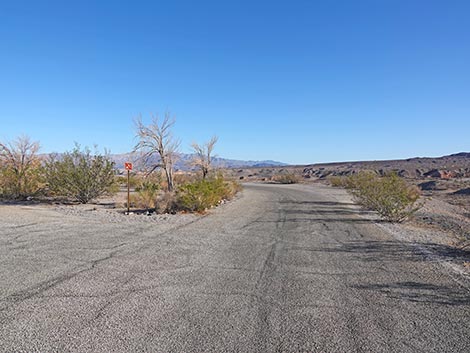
point(436, 230)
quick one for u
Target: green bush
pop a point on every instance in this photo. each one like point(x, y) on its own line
point(203, 194)
point(390, 196)
point(338, 181)
point(80, 175)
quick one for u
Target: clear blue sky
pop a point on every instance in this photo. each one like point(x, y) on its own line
point(295, 81)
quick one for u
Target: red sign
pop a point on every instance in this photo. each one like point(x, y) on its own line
point(128, 166)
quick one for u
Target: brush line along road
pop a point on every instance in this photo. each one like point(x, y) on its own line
point(280, 269)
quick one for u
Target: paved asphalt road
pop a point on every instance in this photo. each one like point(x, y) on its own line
point(281, 269)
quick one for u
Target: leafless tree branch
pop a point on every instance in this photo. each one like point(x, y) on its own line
point(19, 156)
point(203, 155)
point(156, 139)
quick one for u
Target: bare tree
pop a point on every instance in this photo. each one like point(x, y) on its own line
point(157, 139)
point(203, 155)
point(18, 159)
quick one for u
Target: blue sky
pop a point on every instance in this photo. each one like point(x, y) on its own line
point(295, 81)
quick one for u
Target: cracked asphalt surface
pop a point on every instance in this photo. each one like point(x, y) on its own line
point(281, 269)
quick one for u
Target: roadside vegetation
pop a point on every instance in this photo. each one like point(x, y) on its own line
point(390, 196)
point(177, 192)
point(147, 190)
point(20, 169)
point(191, 194)
point(80, 175)
point(203, 194)
point(203, 156)
point(83, 175)
point(287, 178)
point(156, 141)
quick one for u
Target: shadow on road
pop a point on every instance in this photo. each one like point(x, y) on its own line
point(336, 211)
point(318, 203)
point(335, 220)
point(396, 254)
point(420, 292)
point(327, 211)
point(399, 251)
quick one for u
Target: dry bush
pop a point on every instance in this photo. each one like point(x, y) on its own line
point(147, 188)
point(133, 201)
point(289, 178)
point(147, 194)
point(166, 202)
point(183, 178)
point(160, 202)
point(390, 196)
point(20, 168)
point(338, 181)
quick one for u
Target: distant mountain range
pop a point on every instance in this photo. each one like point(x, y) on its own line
point(184, 159)
point(416, 165)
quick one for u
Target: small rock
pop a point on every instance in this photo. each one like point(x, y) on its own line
point(404, 173)
point(433, 173)
point(465, 191)
point(429, 185)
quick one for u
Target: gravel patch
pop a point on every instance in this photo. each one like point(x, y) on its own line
point(445, 217)
point(120, 216)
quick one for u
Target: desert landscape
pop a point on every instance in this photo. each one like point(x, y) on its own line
point(235, 176)
point(95, 251)
point(444, 183)
point(90, 277)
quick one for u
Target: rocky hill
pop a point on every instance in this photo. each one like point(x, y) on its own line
point(452, 167)
point(446, 167)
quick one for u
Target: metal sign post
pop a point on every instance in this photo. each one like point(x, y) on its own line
point(128, 167)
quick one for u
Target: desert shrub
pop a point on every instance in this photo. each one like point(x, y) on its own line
point(339, 181)
point(203, 194)
point(20, 169)
point(80, 175)
point(184, 178)
point(147, 193)
point(134, 180)
point(285, 178)
point(390, 196)
point(162, 202)
point(120, 180)
point(363, 186)
point(166, 202)
point(14, 186)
